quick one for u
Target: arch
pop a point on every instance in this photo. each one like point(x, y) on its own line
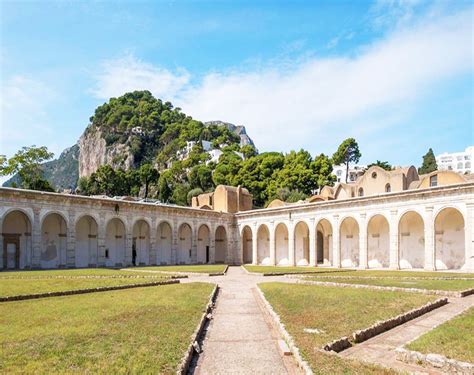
point(115, 243)
point(203, 244)
point(247, 245)
point(281, 245)
point(185, 242)
point(164, 240)
point(301, 244)
point(361, 192)
point(411, 240)
point(53, 212)
point(141, 242)
point(388, 188)
point(221, 245)
point(87, 247)
point(349, 242)
point(324, 243)
point(53, 241)
point(450, 253)
point(378, 242)
point(17, 244)
point(263, 244)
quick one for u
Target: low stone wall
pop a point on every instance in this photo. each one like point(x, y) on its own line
point(188, 355)
point(288, 338)
point(384, 277)
point(338, 345)
point(84, 291)
point(380, 327)
point(446, 293)
point(171, 276)
point(437, 361)
point(220, 273)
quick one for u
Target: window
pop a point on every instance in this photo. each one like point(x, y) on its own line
point(434, 180)
point(459, 165)
point(361, 192)
point(339, 173)
point(388, 188)
point(374, 174)
point(467, 165)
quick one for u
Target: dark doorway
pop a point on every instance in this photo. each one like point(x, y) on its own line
point(320, 248)
point(11, 251)
point(207, 254)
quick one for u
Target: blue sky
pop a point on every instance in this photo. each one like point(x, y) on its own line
point(396, 75)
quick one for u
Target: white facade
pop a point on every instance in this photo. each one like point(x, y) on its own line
point(460, 162)
point(354, 172)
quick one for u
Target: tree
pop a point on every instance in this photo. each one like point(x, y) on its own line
point(147, 174)
point(347, 152)
point(248, 151)
point(382, 164)
point(322, 168)
point(429, 163)
point(193, 193)
point(27, 163)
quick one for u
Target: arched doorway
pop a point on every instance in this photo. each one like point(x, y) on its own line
point(185, 234)
point(221, 245)
point(281, 245)
point(203, 244)
point(115, 243)
point(263, 245)
point(54, 241)
point(86, 241)
point(450, 253)
point(324, 247)
point(16, 231)
point(302, 244)
point(349, 237)
point(164, 241)
point(141, 242)
point(247, 245)
point(378, 242)
point(411, 240)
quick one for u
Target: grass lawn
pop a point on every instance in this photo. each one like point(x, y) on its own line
point(67, 272)
point(144, 330)
point(200, 268)
point(430, 284)
point(453, 339)
point(335, 312)
point(13, 287)
point(281, 269)
point(422, 274)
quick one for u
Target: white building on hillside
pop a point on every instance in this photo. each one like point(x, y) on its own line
point(460, 162)
point(354, 171)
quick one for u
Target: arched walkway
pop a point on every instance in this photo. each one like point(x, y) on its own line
point(184, 244)
point(302, 244)
point(86, 241)
point(281, 245)
point(263, 245)
point(450, 253)
point(378, 242)
point(221, 245)
point(115, 240)
point(54, 241)
point(247, 245)
point(141, 242)
point(324, 242)
point(164, 239)
point(349, 237)
point(411, 240)
point(16, 230)
point(203, 244)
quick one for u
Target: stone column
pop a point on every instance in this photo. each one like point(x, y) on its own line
point(363, 243)
point(254, 244)
point(71, 241)
point(336, 243)
point(153, 243)
point(394, 253)
point(174, 242)
point(291, 244)
point(272, 244)
point(97, 259)
point(194, 235)
point(129, 241)
point(212, 245)
point(429, 239)
point(312, 244)
point(36, 238)
point(469, 237)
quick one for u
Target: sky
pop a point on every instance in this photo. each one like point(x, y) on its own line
point(395, 75)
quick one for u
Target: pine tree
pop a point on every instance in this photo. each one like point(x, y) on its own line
point(429, 163)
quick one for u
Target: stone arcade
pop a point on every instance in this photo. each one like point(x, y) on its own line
point(428, 228)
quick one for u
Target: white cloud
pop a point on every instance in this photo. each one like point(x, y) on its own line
point(128, 74)
point(309, 103)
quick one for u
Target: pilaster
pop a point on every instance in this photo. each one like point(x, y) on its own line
point(291, 243)
point(272, 244)
point(254, 244)
point(469, 237)
point(394, 253)
point(336, 243)
point(312, 243)
point(430, 264)
point(71, 241)
point(363, 243)
point(36, 238)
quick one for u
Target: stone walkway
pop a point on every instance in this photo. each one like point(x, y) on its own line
point(381, 349)
point(240, 338)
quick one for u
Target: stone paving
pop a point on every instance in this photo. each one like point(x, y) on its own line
point(241, 339)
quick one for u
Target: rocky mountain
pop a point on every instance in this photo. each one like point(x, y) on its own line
point(237, 129)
